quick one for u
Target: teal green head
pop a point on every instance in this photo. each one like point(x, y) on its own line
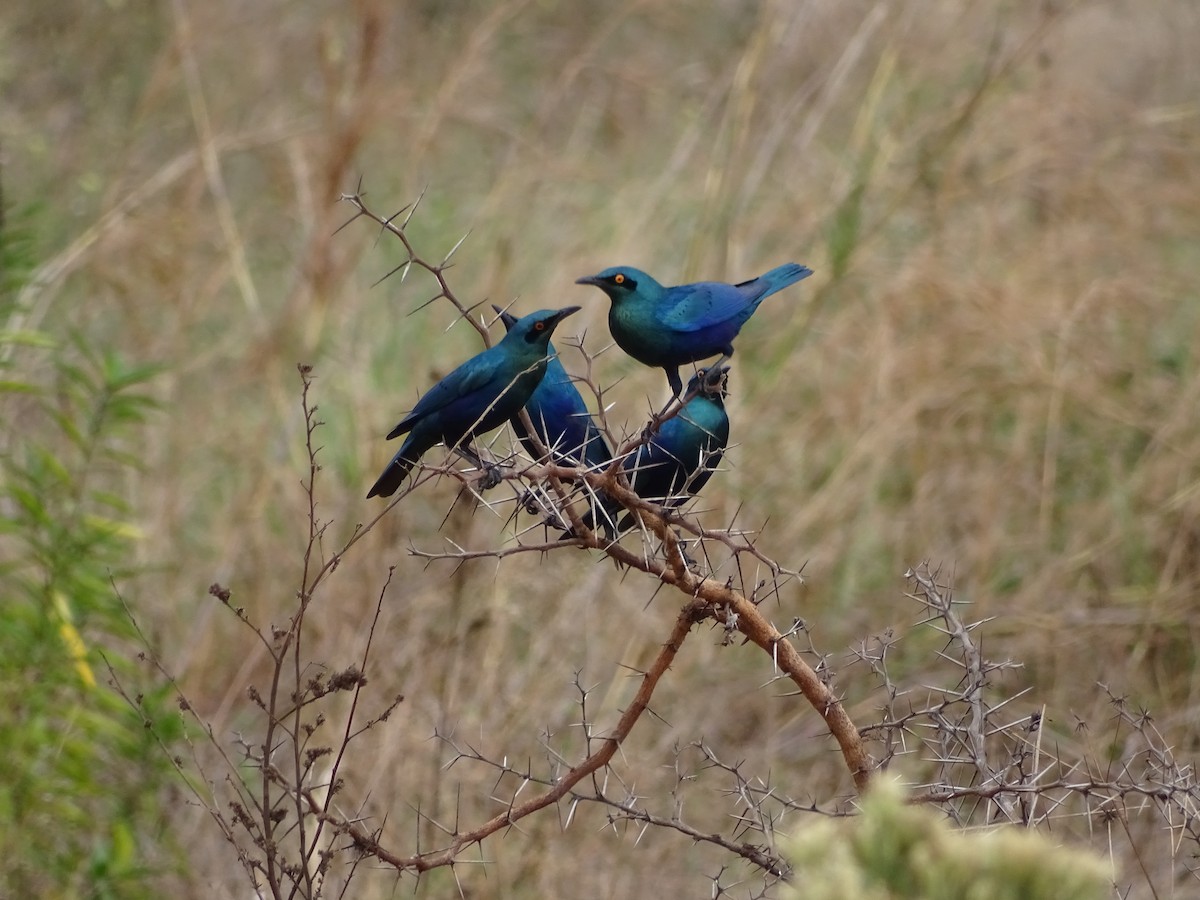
point(535, 329)
point(620, 282)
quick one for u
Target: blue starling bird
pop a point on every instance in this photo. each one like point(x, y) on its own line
point(481, 394)
point(682, 454)
point(667, 327)
point(559, 416)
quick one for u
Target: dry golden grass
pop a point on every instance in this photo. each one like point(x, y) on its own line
point(993, 368)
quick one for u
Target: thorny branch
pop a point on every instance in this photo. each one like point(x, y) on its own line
point(730, 606)
point(389, 225)
point(989, 764)
point(940, 602)
point(368, 842)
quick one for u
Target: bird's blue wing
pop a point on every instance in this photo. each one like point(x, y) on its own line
point(694, 307)
point(474, 375)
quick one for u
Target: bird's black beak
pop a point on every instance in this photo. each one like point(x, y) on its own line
point(563, 313)
point(589, 279)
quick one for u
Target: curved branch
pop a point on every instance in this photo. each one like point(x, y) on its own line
point(750, 622)
point(728, 605)
point(437, 270)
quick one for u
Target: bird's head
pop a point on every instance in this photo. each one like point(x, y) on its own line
point(711, 382)
point(621, 282)
point(537, 327)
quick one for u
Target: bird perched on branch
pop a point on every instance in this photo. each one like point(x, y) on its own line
point(560, 417)
point(667, 327)
point(481, 394)
point(681, 455)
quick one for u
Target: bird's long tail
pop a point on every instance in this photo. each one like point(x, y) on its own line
point(781, 276)
point(393, 475)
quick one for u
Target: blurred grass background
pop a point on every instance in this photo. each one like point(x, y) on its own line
point(994, 367)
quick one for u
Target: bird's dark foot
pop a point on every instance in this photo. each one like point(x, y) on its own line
point(693, 565)
point(657, 420)
point(564, 529)
point(492, 476)
point(529, 503)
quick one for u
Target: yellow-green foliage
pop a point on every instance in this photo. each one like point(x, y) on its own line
point(895, 851)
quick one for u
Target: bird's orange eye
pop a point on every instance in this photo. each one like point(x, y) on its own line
point(618, 278)
point(539, 326)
